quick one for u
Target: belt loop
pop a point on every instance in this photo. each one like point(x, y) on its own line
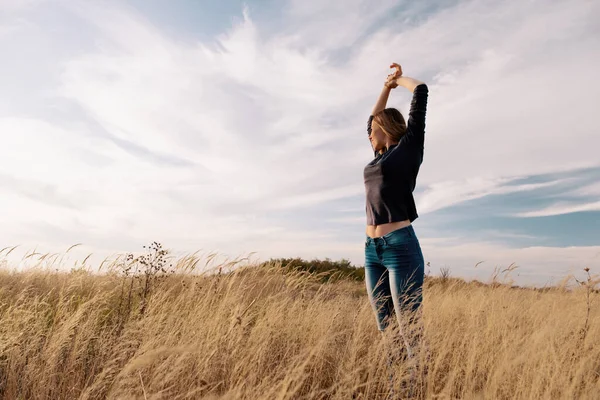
point(384, 241)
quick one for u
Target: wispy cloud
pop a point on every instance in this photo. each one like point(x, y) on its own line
point(561, 208)
point(189, 140)
point(448, 193)
point(537, 265)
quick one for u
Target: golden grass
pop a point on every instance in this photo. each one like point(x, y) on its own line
point(260, 333)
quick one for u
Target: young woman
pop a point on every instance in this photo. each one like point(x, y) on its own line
point(394, 264)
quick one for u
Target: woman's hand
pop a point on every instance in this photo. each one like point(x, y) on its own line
point(391, 81)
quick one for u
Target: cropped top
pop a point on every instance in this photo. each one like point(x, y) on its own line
point(390, 178)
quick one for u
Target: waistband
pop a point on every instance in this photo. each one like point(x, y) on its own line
point(407, 231)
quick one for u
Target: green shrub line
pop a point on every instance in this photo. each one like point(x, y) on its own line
point(328, 270)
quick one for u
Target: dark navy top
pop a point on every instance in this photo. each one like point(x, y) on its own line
point(391, 177)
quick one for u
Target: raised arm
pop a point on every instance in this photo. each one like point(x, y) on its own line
point(416, 117)
point(418, 107)
point(409, 83)
point(382, 100)
point(394, 80)
point(389, 84)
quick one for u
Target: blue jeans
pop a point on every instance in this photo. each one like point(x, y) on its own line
point(394, 272)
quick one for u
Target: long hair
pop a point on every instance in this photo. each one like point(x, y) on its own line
point(392, 123)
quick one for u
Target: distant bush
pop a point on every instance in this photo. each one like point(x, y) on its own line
point(327, 269)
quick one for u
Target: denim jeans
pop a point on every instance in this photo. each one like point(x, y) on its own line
point(394, 272)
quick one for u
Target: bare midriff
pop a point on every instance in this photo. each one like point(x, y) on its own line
point(375, 231)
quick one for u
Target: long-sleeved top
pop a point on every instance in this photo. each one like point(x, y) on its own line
point(390, 178)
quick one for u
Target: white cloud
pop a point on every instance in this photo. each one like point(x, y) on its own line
point(335, 24)
point(11, 6)
point(263, 120)
point(591, 190)
point(447, 193)
point(536, 265)
point(562, 208)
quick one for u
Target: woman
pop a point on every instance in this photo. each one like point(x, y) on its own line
point(394, 264)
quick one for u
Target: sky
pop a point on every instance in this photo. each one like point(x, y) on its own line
point(239, 128)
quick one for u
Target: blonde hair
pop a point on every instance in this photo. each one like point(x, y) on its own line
point(392, 123)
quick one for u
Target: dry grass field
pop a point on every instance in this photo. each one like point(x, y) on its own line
point(270, 333)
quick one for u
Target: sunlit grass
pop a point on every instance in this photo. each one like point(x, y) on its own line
point(269, 332)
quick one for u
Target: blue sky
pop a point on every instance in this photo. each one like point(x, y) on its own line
point(239, 127)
